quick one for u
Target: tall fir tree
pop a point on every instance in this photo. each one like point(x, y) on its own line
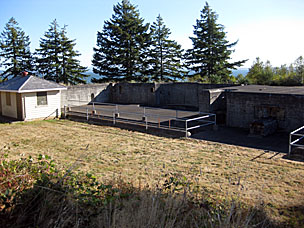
point(121, 50)
point(15, 55)
point(165, 54)
point(56, 57)
point(47, 56)
point(72, 71)
point(211, 52)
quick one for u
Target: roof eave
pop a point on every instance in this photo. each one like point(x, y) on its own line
point(31, 91)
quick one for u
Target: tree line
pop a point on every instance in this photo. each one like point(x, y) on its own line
point(128, 49)
point(263, 73)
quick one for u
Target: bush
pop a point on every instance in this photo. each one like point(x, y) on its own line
point(35, 193)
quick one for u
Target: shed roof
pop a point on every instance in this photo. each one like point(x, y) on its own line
point(263, 89)
point(24, 84)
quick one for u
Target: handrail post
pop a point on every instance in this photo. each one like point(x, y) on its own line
point(114, 118)
point(146, 122)
point(87, 112)
point(93, 107)
point(64, 111)
point(289, 146)
point(186, 128)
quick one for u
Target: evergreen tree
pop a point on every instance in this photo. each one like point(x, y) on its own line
point(211, 51)
point(48, 55)
point(165, 54)
point(261, 73)
point(299, 69)
point(122, 46)
point(56, 57)
point(72, 71)
point(15, 52)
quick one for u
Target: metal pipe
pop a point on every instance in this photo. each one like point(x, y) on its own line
point(87, 112)
point(297, 140)
point(200, 117)
point(289, 147)
point(297, 134)
point(297, 130)
point(186, 127)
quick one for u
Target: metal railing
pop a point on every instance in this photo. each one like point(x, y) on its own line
point(178, 120)
point(296, 142)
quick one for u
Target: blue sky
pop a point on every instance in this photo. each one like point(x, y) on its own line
point(270, 29)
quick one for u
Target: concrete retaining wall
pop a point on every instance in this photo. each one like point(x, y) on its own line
point(237, 109)
point(212, 100)
point(244, 108)
point(134, 93)
point(174, 95)
point(83, 94)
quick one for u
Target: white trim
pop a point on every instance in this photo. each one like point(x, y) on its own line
point(40, 90)
point(31, 91)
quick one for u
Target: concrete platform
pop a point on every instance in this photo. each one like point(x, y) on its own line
point(147, 117)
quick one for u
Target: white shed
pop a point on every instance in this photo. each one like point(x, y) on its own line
point(30, 97)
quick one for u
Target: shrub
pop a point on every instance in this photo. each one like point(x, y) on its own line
point(36, 193)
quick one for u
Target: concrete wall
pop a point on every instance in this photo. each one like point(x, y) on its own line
point(134, 93)
point(175, 95)
point(212, 100)
point(34, 111)
point(244, 108)
point(83, 94)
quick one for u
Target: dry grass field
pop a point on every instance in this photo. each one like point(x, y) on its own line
point(223, 171)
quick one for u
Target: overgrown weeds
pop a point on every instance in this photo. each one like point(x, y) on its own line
point(35, 193)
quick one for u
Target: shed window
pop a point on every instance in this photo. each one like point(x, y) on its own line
point(8, 99)
point(41, 98)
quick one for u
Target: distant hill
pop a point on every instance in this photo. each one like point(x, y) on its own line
point(91, 75)
point(243, 71)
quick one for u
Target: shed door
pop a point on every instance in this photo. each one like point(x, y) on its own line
point(19, 106)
